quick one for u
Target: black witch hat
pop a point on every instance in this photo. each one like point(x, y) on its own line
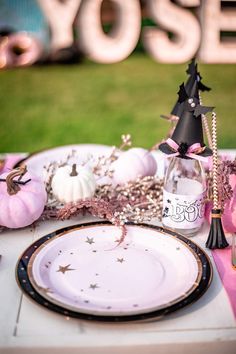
point(194, 75)
point(189, 129)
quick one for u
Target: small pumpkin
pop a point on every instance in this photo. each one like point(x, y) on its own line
point(71, 184)
point(22, 199)
point(133, 163)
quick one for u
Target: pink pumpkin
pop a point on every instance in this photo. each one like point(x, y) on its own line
point(133, 163)
point(21, 203)
point(229, 215)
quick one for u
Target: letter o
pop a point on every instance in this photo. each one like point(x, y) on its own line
point(122, 39)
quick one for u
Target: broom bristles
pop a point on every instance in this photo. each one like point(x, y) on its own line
point(216, 237)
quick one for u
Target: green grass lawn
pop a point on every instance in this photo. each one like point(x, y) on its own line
point(45, 106)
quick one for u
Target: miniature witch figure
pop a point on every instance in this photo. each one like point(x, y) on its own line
point(185, 182)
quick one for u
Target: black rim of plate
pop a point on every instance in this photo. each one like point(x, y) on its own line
point(26, 286)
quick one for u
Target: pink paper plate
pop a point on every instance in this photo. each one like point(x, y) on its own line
point(82, 270)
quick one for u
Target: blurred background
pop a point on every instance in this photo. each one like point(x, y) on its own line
point(88, 71)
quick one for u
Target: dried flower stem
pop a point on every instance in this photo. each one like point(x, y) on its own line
point(96, 207)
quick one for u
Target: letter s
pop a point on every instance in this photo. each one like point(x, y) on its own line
point(183, 24)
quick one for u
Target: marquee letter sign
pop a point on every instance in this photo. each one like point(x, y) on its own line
point(182, 29)
point(188, 37)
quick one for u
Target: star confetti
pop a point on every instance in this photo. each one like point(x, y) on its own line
point(64, 269)
point(93, 286)
point(90, 240)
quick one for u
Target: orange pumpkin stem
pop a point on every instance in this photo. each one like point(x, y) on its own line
point(74, 172)
point(12, 187)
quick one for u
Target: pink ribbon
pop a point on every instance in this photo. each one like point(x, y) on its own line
point(191, 152)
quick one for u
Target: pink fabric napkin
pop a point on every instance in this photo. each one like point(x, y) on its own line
point(227, 273)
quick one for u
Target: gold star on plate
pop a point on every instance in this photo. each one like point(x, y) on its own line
point(64, 269)
point(93, 286)
point(90, 240)
point(120, 260)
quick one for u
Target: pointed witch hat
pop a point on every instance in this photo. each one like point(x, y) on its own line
point(194, 75)
point(188, 134)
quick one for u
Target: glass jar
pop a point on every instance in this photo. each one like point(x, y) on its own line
point(184, 194)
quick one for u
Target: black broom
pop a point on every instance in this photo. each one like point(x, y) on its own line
point(216, 237)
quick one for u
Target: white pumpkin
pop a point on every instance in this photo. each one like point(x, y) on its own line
point(133, 163)
point(72, 183)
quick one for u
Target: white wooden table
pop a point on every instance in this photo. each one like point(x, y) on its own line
point(207, 326)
